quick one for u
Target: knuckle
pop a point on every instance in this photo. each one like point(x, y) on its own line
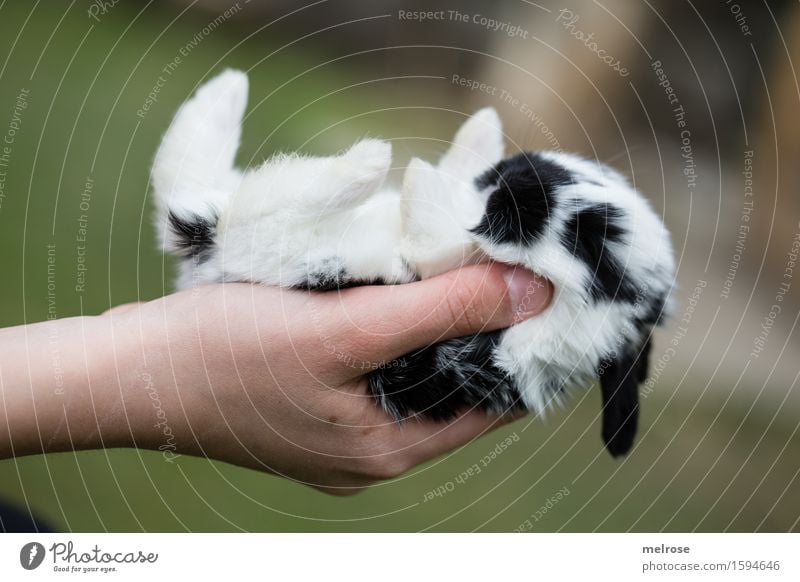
point(356, 335)
point(352, 347)
point(383, 467)
point(463, 303)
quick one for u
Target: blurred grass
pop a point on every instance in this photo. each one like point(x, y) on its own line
point(651, 490)
point(85, 89)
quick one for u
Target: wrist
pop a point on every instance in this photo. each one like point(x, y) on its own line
point(61, 390)
point(108, 390)
point(98, 383)
point(164, 392)
point(151, 412)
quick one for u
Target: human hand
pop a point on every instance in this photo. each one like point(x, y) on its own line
point(274, 379)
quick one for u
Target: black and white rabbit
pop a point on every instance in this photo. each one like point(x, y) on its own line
point(328, 222)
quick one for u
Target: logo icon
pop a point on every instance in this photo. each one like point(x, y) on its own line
point(31, 555)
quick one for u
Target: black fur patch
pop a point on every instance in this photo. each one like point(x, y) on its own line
point(329, 281)
point(656, 311)
point(519, 208)
point(330, 275)
point(643, 364)
point(194, 234)
point(438, 381)
point(586, 235)
point(619, 385)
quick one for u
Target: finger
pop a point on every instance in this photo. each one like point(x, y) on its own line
point(380, 323)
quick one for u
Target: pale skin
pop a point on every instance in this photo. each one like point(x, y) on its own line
point(265, 378)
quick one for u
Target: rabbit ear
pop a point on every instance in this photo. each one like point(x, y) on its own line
point(193, 172)
point(477, 146)
point(435, 238)
point(619, 385)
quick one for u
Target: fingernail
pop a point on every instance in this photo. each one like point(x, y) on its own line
point(529, 292)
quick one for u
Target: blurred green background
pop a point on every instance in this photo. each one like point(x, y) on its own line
point(719, 450)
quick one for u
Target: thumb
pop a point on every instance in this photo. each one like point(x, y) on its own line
point(393, 320)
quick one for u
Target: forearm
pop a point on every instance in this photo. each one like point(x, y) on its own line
point(68, 385)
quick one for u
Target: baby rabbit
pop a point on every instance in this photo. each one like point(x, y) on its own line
point(327, 222)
